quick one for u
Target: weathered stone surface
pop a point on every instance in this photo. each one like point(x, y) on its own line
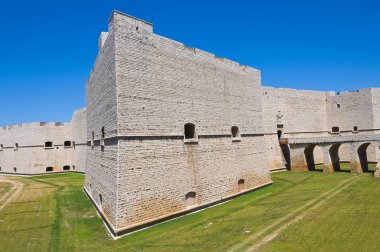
point(23, 151)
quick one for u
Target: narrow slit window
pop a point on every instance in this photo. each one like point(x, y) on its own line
point(16, 146)
point(92, 139)
point(1, 147)
point(102, 138)
point(14, 169)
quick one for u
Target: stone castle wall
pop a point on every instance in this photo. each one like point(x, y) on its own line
point(23, 148)
point(161, 85)
point(303, 113)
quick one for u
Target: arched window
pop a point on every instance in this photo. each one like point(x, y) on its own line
point(67, 144)
point(16, 146)
point(14, 169)
point(190, 198)
point(235, 132)
point(66, 168)
point(241, 184)
point(48, 144)
point(49, 169)
point(74, 167)
point(189, 131)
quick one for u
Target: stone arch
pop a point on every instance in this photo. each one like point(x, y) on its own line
point(363, 159)
point(309, 157)
point(334, 155)
point(286, 155)
point(190, 198)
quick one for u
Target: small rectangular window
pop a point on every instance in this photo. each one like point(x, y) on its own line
point(67, 144)
point(48, 145)
point(355, 129)
point(335, 130)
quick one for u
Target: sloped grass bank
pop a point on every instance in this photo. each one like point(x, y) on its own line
point(53, 214)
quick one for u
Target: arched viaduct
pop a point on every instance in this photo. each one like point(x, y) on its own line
point(299, 152)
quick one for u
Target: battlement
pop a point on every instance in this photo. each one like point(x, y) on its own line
point(34, 125)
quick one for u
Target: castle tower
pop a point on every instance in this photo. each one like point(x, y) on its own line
point(171, 129)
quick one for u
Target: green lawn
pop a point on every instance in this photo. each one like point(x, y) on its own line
point(339, 212)
point(4, 188)
point(345, 167)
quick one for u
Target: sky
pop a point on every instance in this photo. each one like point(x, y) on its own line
point(48, 47)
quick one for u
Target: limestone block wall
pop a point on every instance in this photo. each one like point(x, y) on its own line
point(162, 84)
point(300, 111)
point(297, 113)
point(156, 175)
point(101, 91)
point(23, 150)
point(145, 170)
point(79, 136)
point(349, 109)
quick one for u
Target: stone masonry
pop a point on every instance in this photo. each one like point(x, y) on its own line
point(143, 92)
point(170, 129)
point(37, 148)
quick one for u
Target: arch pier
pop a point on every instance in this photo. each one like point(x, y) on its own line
point(302, 152)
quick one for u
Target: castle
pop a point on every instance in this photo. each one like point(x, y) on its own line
point(169, 129)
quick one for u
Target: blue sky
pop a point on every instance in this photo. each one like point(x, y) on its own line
point(48, 47)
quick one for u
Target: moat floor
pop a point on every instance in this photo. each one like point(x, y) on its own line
point(309, 211)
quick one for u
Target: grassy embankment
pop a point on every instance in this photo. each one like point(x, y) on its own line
point(333, 211)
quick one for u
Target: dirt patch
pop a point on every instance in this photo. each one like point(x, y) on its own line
point(12, 194)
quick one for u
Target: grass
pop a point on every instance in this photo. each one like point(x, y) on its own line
point(53, 214)
point(345, 167)
point(4, 188)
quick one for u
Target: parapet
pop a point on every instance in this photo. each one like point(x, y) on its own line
point(138, 24)
point(34, 125)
